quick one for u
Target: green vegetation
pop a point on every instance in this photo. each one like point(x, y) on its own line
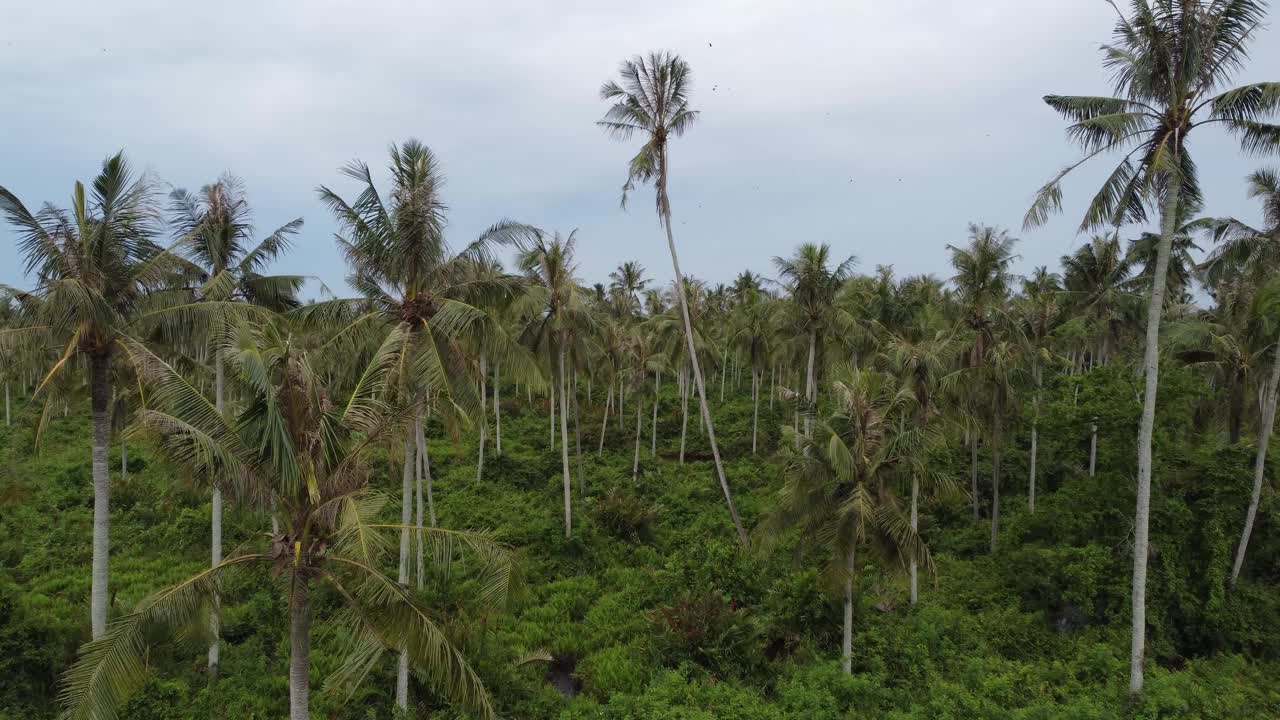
point(837, 534)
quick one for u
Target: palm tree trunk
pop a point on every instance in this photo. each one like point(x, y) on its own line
point(846, 645)
point(577, 437)
point(756, 379)
point(684, 416)
point(973, 471)
point(425, 462)
point(810, 384)
point(697, 377)
point(8, 419)
point(622, 400)
point(484, 414)
point(564, 449)
point(406, 518)
point(497, 410)
point(604, 423)
point(1093, 446)
point(215, 522)
point(100, 391)
point(1035, 437)
point(300, 652)
point(553, 414)
point(1151, 369)
point(1259, 465)
point(724, 365)
point(653, 435)
point(635, 463)
point(915, 526)
point(995, 486)
point(124, 458)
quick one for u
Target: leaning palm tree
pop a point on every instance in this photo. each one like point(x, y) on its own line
point(653, 100)
point(217, 226)
point(97, 267)
point(301, 444)
point(838, 484)
point(1169, 63)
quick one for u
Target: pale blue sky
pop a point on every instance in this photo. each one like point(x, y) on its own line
point(882, 128)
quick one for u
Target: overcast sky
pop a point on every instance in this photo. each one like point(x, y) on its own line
point(881, 128)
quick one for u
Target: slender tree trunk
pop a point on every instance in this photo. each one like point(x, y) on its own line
point(1259, 466)
point(604, 422)
point(1093, 446)
point(124, 457)
point(1035, 437)
point(215, 522)
point(425, 454)
point(810, 385)
point(406, 518)
point(995, 486)
point(484, 414)
point(577, 437)
point(773, 373)
point(497, 410)
point(973, 471)
point(635, 462)
point(846, 645)
point(553, 414)
point(100, 391)
point(564, 449)
point(723, 366)
point(622, 391)
point(300, 652)
point(8, 419)
point(1151, 368)
point(915, 526)
point(653, 435)
point(756, 379)
point(697, 377)
point(684, 417)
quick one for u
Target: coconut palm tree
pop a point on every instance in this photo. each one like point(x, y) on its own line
point(1169, 63)
point(753, 328)
point(556, 306)
point(1096, 282)
point(652, 99)
point(629, 281)
point(982, 283)
point(1038, 311)
point(838, 486)
point(924, 359)
point(1001, 374)
point(811, 287)
point(1242, 249)
point(97, 268)
point(217, 226)
point(409, 280)
point(295, 443)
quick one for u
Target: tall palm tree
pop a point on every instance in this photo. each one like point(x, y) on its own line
point(557, 305)
point(811, 289)
point(1096, 280)
point(296, 443)
point(96, 265)
point(1038, 311)
point(924, 359)
point(1242, 249)
point(217, 226)
point(653, 100)
point(409, 280)
point(982, 283)
point(629, 281)
point(1001, 374)
point(838, 488)
point(1169, 63)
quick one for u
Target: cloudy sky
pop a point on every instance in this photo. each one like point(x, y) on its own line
point(881, 128)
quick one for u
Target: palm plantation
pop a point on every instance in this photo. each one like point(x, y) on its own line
point(388, 474)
